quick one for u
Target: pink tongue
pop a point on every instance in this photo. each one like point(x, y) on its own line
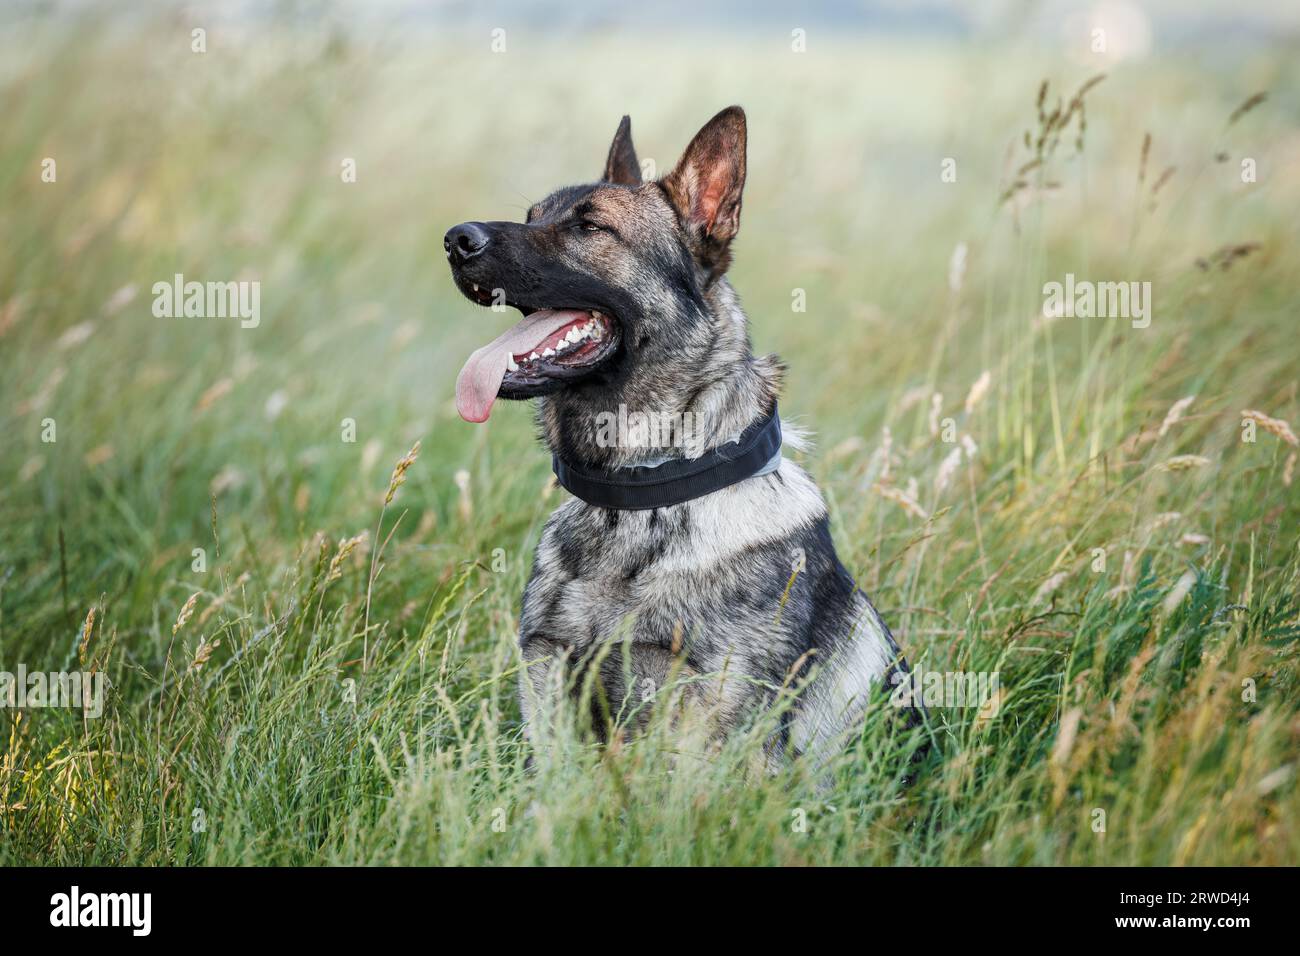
point(480, 379)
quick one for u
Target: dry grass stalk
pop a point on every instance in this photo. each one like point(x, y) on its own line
point(98, 455)
point(346, 547)
point(846, 449)
point(1179, 591)
point(957, 268)
point(398, 478)
point(978, 391)
point(1066, 735)
point(86, 630)
point(1164, 178)
point(1184, 463)
point(214, 393)
point(466, 503)
point(1274, 426)
point(902, 499)
point(244, 578)
point(1225, 256)
point(1049, 587)
point(1254, 100)
point(883, 457)
point(203, 654)
point(186, 613)
point(947, 468)
point(1174, 414)
point(912, 397)
point(1163, 518)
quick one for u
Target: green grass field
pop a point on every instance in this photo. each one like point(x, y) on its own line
point(1131, 575)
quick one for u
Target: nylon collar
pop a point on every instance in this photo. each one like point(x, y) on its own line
point(642, 487)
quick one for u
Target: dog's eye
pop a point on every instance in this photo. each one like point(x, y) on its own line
point(588, 226)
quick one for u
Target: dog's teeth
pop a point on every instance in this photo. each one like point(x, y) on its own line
point(512, 364)
point(533, 357)
point(594, 313)
point(548, 353)
point(475, 284)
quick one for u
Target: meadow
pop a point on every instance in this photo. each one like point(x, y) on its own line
point(301, 673)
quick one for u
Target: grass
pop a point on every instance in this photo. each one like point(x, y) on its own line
point(337, 685)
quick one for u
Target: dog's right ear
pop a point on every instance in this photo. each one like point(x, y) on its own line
point(622, 167)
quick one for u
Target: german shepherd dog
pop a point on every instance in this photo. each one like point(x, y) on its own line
point(627, 309)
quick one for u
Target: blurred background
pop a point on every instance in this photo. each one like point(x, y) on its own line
point(227, 163)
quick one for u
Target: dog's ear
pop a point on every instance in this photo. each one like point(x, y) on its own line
point(707, 183)
point(622, 167)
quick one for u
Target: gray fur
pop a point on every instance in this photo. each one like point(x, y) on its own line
point(699, 589)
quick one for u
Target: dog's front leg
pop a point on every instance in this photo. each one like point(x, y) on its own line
point(543, 677)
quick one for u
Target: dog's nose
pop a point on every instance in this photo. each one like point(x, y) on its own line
point(465, 241)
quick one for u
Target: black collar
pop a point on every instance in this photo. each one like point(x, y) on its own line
point(644, 487)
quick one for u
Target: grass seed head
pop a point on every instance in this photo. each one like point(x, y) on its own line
point(86, 630)
point(1274, 426)
point(1184, 463)
point(398, 477)
point(901, 498)
point(466, 504)
point(203, 654)
point(1174, 414)
point(346, 547)
point(978, 391)
point(186, 612)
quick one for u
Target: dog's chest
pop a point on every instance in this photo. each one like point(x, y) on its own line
point(711, 573)
point(598, 571)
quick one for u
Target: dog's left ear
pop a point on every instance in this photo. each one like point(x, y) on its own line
point(622, 167)
point(707, 184)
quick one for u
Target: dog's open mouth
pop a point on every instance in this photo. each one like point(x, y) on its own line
point(548, 348)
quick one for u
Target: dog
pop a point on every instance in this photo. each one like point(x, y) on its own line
point(692, 546)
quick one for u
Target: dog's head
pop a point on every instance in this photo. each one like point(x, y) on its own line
point(614, 279)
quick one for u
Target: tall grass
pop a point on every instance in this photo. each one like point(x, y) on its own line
point(338, 686)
